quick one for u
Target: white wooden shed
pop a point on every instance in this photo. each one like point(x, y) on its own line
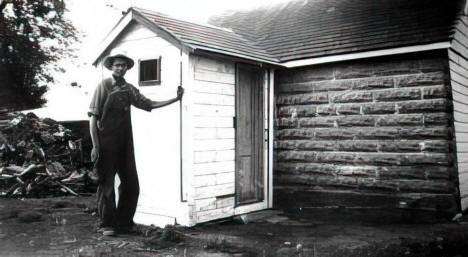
point(209, 156)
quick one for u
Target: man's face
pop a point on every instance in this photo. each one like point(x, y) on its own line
point(119, 67)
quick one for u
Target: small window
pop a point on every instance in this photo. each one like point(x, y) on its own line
point(150, 72)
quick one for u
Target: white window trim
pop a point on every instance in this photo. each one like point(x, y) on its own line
point(149, 82)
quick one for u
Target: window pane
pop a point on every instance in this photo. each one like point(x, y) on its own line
point(149, 70)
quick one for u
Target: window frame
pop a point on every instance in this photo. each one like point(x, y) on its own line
point(150, 82)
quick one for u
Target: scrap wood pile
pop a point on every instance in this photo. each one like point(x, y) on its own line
point(40, 157)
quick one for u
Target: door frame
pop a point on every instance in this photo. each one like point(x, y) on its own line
point(267, 82)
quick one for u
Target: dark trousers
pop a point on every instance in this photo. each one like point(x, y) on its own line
point(110, 163)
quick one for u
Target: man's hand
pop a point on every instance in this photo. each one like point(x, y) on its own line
point(180, 92)
point(95, 154)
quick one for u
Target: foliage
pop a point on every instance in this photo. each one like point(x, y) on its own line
point(34, 35)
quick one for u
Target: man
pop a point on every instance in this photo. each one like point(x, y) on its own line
point(111, 134)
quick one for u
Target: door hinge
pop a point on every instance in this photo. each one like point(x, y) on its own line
point(234, 122)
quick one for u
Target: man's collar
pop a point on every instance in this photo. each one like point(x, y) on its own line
point(121, 81)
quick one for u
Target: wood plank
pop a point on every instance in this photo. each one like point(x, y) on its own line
point(462, 167)
point(214, 156)
point(461, 127)
point(213, 191)
point(458, 78)
point(463, 184)
point(225, 212)
point(459, 116)
point(212, 87)
point(213, 110)
point(212, 76)
point(213, 167)
point(459, 47)
point(204, 180)
point(460, 35)
point(459, 69)
point(213, 145)
point(213, 179)
point(461, 32)
point(225, 178)
point(464, 203)
point(212, 122)
point(217, 65)
point(462, 61)
point(462, 147)
point(213, 99)
point(225, 202)
point(205, 204)
point(459, 105)
point(462, 137)
point(271, 132)
point(459, 88)
point(462, 158)
point(453, 56)
point(213, 133)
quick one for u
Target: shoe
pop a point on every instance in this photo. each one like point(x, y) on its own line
point(108, 231)
point(127, 230)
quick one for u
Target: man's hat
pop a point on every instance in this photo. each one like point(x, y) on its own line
point(109, 60)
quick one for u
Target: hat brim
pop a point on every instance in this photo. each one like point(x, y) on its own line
point(109, 60)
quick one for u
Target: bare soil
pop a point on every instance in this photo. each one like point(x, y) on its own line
point(66, 226)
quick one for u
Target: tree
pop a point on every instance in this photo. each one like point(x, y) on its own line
point(34, 35)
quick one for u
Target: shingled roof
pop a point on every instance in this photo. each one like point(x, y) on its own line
point(315, 28)
point(209, 37)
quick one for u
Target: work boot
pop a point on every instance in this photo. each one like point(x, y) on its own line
point(128, 230)
point(108, 231)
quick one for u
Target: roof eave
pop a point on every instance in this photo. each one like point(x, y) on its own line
point(224, 52)
point(367, 54)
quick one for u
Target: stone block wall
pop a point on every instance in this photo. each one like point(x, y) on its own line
point(369, 133)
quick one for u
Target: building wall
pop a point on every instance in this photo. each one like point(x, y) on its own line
point(458, 55)
point(213, 109)
point(156, 134)
point(369, 133)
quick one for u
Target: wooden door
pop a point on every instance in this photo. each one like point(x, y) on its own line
point(249, 135)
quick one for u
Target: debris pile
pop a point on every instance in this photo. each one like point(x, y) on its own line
point(40, 157)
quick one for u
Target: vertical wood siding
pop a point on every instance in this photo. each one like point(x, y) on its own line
point(213, 138)
point(458, 56)
point(365, 133)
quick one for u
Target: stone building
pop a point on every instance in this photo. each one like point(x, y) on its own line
point(355, 105)
point(371, 107)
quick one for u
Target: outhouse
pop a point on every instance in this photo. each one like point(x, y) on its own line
point(210, 155)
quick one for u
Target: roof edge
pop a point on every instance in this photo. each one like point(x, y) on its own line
point(112, 35)
point(367, 54)
point(219, 51)
point(133, 15)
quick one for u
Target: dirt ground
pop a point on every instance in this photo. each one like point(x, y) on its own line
point(67, 227)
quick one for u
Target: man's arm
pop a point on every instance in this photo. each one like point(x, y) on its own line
point(94, 137)
point(159, 104)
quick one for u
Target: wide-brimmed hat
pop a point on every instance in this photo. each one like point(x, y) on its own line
point(109, 60)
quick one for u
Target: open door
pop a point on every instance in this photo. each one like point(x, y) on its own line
point(250, 171)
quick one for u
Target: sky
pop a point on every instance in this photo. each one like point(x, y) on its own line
point(95, 19)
